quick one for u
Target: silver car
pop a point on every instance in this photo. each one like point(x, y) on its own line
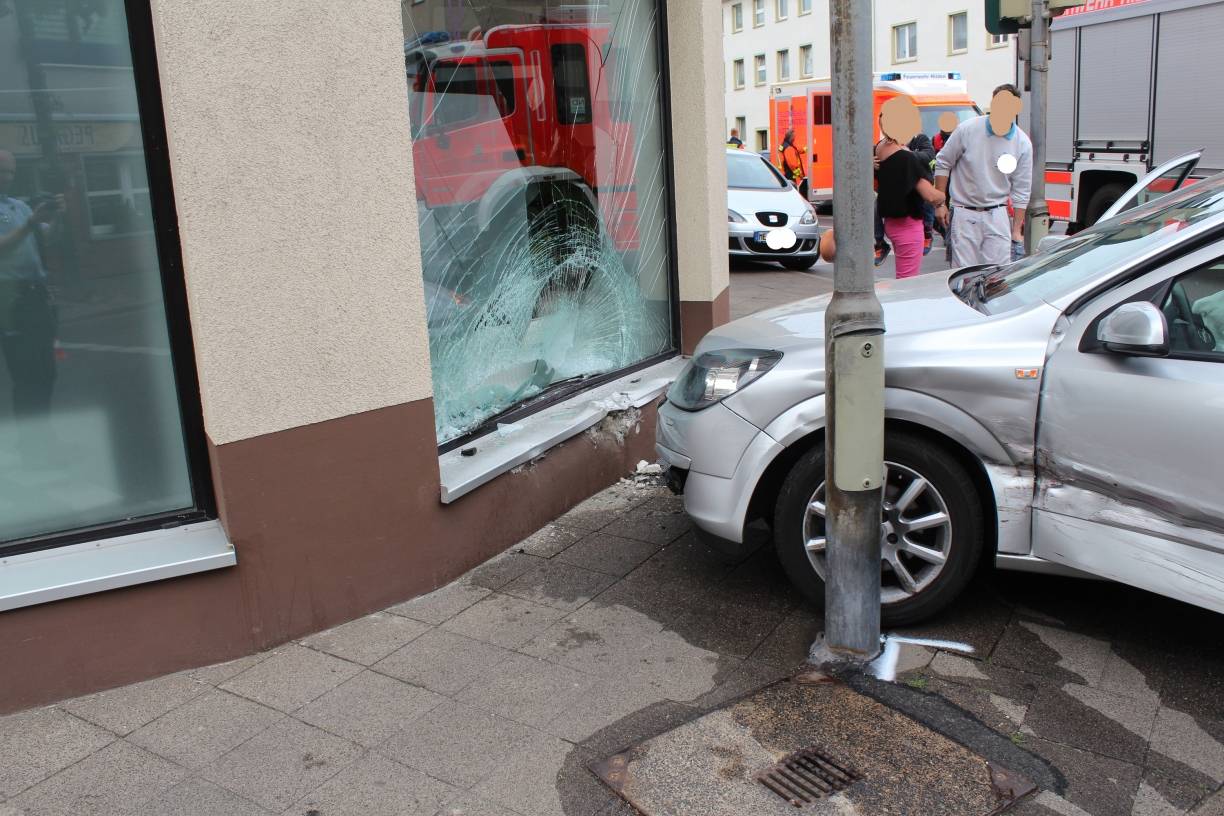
point(767, 219)
point(1064, 413)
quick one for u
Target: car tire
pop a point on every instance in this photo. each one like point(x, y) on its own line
point(962, 537)
point(1101, 201)
point(798, 264)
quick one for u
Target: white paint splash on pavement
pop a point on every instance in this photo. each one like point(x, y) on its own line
point(884, 667)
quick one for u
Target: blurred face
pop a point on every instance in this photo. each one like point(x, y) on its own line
point(1004, 108)
point(900, 119)
point(8, 170)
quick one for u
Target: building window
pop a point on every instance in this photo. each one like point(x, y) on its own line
point(805, 7)
point(737, 74)
point(758, 13)
point(737, 18)
point(741, 126)
point(806, 67)
point(782, 9)
point(997, 40)
point(534, 284)
point(762, 140)
point(784, 65)
point(958, 33)
point(905, 42)
point(758, 67)
point(93, 428)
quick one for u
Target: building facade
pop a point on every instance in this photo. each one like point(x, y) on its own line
point(771, 43)
point(308, 308)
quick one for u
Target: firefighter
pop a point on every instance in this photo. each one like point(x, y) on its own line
point(792, 163)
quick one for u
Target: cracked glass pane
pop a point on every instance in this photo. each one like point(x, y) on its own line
point(540, 178)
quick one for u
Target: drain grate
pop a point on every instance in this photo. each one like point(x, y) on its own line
point(806, 776)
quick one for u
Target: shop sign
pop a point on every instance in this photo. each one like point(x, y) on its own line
point(22, 138)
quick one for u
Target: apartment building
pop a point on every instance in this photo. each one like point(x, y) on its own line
point(772, 43)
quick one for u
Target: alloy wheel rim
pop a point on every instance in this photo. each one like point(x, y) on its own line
point(915, 533)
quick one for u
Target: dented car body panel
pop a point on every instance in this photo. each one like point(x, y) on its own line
point(1095, 459)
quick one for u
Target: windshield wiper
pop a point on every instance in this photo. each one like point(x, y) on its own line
point(972, 288)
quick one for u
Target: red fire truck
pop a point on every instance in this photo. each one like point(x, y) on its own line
point(1133, 85)
point(522, 113)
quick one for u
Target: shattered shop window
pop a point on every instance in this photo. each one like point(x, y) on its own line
point(538, 154)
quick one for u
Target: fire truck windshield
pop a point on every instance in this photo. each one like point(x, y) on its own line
point(930, 115)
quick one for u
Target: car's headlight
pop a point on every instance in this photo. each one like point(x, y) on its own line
point(809, 217)
point(735, 217)
point(712, 377)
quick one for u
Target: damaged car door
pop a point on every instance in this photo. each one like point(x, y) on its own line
point(1129, 443)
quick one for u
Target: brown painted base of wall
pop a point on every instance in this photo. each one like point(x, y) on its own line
point(699, 316)
point(330, 521)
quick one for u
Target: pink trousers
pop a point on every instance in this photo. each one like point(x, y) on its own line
point(906, 236)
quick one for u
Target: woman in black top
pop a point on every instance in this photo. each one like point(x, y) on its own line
point(901, 187)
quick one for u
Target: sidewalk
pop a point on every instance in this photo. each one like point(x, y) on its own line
point(492, 696)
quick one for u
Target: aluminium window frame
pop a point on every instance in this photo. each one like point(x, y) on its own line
point(174, 292)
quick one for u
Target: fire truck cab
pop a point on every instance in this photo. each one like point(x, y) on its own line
point(808, 109)
point(520, 112)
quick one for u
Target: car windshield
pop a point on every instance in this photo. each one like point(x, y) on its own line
point(749, 172)
point(1109, 245)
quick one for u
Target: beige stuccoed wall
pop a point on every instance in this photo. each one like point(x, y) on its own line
point(292, 167)
point(695, 53)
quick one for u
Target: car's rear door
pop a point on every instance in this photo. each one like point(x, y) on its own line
point(1130, 449)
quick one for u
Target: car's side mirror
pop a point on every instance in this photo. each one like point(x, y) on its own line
point(1137, 328)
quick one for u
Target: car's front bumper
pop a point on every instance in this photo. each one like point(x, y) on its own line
point(740, 241)
point(722, 457)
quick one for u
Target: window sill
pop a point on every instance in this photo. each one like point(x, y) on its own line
point(958, 52)
point(904, 60)
point(500, 452)
point(96, 566)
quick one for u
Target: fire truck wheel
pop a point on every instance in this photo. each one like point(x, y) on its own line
point(798, 264)
point(1102, 200)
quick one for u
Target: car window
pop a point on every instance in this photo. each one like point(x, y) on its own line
point(747, 172)
point(1165, 183)
point(1194, 310)
point(1108, 246)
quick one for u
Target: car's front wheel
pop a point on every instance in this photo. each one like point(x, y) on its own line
point(931, 535)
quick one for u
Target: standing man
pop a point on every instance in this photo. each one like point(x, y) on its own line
point(735, 141)
point(989, 160)
point(792, 163)
point(27, 315)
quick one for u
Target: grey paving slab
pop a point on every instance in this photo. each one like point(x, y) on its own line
point(1099, 785)
point(1092, 720)
point(370, 708)
point(218, 673)
point(1211, 806)
point(124, 709)
point(1179, 742)
point(442, 604)
point(608, 554)
point(103, 784)
point(559, 585)
point(442, 661)
point(375, 786)
point(743, 677)
point(282, 764)
point(987, 675)
point(467, 804)
point(291, 677)
point(37, 743)
point(503, 620)
point(688, 557)
point(367, 640)
point(727, 628)
point(501, 570)
point(791, 640)
point(550, 540)
point(650, 526)
point(998, 712)
point(196, 797)
point(456, 743)
point(978, 619)
point(546, 776)
point(603, 508)
point(205, 728)
point(528, 690)
point(1160, 795)
point(610, 701)
point(1062, 655)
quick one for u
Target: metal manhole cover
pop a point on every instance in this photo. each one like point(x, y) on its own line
point(806, 776)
